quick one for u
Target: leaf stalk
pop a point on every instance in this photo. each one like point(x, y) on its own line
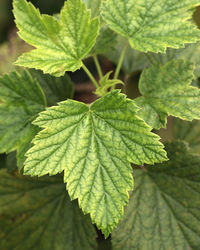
point(98, 67)
point(121, 59)
point(90, 75)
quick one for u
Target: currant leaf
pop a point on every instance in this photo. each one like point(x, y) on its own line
point(94, 145)
point(22, 99)
point(152, 25)
point(167, 91)
point(41, 215)
point(164, 209)
point(60, 45)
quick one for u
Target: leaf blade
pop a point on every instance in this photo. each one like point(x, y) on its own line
point(164, 208)
point(167, 91)
point(60, 46)
point(149, 26)
point(22, 100)
point(41, 216)
point(94, 152)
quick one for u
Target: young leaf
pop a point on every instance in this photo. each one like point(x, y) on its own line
point(164, 209)
point(167, 91)
point(22, 100)
point(94, 145)
point(38, 214)
point(106, 83)
point(152, 25)
point(60, 45)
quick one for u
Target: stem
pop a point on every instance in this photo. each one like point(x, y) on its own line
point(121, 59)
point(124, 88)
point(90, 75)
point(96, 61)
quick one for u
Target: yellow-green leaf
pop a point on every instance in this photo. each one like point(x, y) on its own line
point(94, 146)
point(60, 45)
point(152, 25)
point(167, 90)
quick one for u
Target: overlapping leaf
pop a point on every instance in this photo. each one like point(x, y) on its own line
point(167, 91)
point(152, 25)
point(38, 214)
point(107, 38)
point(189, 132)
point(10, 51)
point(2, 160)
point(105, 41)
point(190, 53)
point(55, 89)
point(22, 100)
point(164, 209)
point(94, 6)
point(94, 145)
point(11, 162)
point(60, 45)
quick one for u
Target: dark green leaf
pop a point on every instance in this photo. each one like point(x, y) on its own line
point(37, 214)
point(164, 210)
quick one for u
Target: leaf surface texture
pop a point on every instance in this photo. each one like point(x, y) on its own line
point(38, 214)
point(152, 25)
point(166, 90)
point(22, 99)
point(94, 145)
point(60, 45)
point(164, 209)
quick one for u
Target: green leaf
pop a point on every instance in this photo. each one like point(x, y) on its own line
point(94, 6)
point(55, 89)
point(105, 41)
point(60, 45)
point(152, 25)
point(11, 162)
point(167, 91)
point(189, 132)
point(22, 100)
point(106, 83)
point(2, 161)
point(190, 53)
point(38, 214)
point(164, 209)
point(94, 145)
point(26, 143)
point(10, 51)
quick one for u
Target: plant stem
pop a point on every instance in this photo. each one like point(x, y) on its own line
point(124, 88)
point(90, 75)
point(121, 59)
point(96, 61)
